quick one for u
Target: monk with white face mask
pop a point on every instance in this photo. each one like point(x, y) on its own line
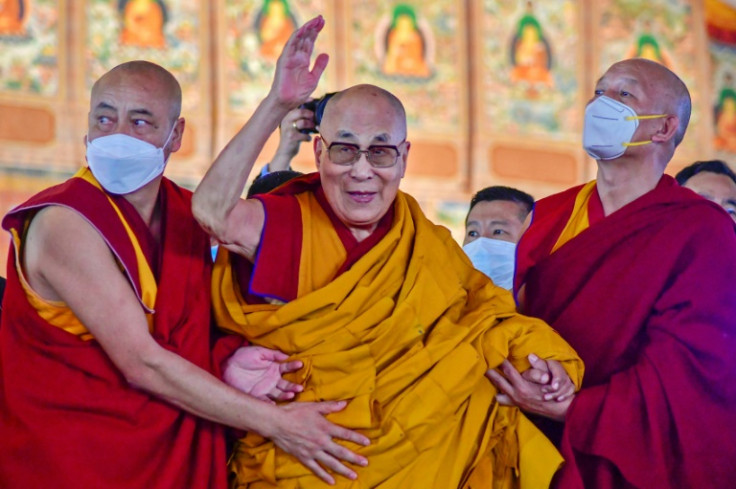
point(637, 274)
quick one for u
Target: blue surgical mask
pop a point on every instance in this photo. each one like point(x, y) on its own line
point(123, 164)
point(609, 126)
point(495, 258)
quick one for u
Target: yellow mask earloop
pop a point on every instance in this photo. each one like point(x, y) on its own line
point(631, 118)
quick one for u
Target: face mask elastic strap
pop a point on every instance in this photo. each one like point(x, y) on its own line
point(638, 143)
point(634, 117)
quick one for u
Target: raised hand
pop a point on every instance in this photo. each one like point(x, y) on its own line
point(294, 81)
point(257, 371)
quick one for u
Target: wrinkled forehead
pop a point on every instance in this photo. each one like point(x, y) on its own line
point(363, 115)
point(139, 89)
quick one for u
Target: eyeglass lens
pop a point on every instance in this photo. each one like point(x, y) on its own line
point(379, 156)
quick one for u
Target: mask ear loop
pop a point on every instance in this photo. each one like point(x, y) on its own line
point(170, 134)
point(640, 117)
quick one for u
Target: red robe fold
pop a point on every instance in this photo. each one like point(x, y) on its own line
point(68, 418)
point(646, 296)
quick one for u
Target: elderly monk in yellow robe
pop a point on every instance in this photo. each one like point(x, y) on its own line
point(342, 271)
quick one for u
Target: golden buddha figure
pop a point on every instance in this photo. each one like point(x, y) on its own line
point(12, 17)
point(725, 137)
point(405, 45)
point(530, 53)
point(274, 23)
point(143, 23)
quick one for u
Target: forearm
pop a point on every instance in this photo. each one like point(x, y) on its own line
point(178, 381)
point(281, 160)
point(223, 184)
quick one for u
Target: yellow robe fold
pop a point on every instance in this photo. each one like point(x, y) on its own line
point(405, 335)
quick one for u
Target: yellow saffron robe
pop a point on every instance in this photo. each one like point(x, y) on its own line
point(405, 335)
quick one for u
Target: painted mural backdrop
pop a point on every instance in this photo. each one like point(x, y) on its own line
point(721, 27)
point(415, 50)
point(660, 30)
point(30, 44)
point(529, 62)
point(166, 32)
point(255, 33)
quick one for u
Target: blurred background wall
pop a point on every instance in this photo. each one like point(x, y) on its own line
point(494, 89)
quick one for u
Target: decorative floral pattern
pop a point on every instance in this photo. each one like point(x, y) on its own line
point(30, 44)
point(433, 94)
point(519, 100)
point(248, 65)
point(181, 54)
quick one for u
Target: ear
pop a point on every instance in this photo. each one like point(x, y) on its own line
point(405, 157)
point(318, 147)
point(178, 133)
point(667, 130)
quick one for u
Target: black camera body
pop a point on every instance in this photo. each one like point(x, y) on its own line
point(318, 107)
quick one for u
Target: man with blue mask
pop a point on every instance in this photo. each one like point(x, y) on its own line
point(495, 222)
point(637, 274)
point(107, 378)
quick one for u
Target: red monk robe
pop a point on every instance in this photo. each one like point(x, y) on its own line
point(646, 297)
point(68, 418)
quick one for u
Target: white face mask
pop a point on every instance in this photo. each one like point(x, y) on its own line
point(609, 126)
point(495, 258)
point(123, 164)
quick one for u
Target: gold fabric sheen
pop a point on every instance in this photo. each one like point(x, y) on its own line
point(405, 335)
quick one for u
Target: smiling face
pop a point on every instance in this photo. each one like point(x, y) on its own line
point(140, 100)
point(715, 187)
point(360, 194)
point(495, 219)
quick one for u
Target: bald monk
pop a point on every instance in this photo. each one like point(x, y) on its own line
point(106, 376)
point(637, 274)
point(342, 271)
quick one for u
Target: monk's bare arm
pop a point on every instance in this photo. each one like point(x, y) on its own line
point(66, 259)
point(216, 204)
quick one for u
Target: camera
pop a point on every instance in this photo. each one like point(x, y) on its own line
point(318, 107)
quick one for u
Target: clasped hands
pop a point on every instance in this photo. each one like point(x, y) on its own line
point(544, 389)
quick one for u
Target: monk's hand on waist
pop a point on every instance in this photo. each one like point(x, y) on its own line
point(257, 371)
point(542, 391)
point(303, 431)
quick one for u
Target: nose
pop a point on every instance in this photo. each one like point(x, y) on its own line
point(361, 169)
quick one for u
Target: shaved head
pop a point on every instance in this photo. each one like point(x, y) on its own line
point(670, 92)
point(163, 77)
point(365, 96)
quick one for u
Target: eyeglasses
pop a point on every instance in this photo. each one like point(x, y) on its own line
point(379, 156)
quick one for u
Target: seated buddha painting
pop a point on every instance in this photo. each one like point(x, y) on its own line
point(13, 14)
point(405, 45)
point(531, 56)
point(725, 117)
point(274, 25)
point(143, 23)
